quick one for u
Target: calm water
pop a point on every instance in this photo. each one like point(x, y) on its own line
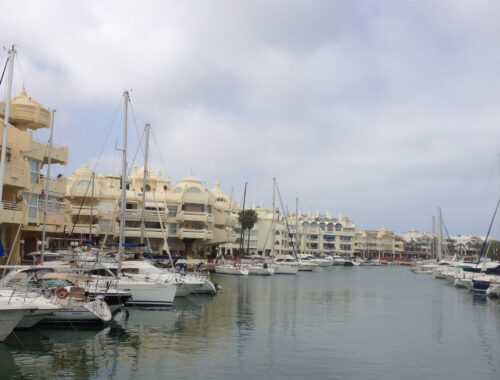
point(343, 323)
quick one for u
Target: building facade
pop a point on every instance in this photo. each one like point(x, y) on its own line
point(190, 217)
point(382, 243)
point(23, 197)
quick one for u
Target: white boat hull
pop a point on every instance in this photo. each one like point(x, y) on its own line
point(285, 269)
point(9, 320)
point(148, 293)
point(260, 271)
point(230, 269)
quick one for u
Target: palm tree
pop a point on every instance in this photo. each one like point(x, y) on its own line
point(247, 219)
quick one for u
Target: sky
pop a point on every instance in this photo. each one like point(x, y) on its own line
point(381, 111)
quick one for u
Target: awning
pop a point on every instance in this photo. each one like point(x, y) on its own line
point(329, 236)
point(66, 276)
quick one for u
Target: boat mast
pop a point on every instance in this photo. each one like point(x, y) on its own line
point(297, 223)
point(45, 208)
point(10, 73)
point(144, 183)
point(124, 186)
point(242, 235)
point(439, 234)
point(273, 221)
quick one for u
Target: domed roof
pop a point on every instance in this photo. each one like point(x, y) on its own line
point(191, 179)
point(28, 113)
point(83, 172)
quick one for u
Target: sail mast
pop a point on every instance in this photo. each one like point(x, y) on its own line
point(144, 183)
point(273, 221)
point(439, 234)
point(10, 73)
point(124, 186)
point(45, 208)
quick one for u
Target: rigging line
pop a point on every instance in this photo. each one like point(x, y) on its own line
point(21, 71)
point(286, 222)
point(108, 133)
point(159, 151)
point(137, 151)
point(135, 121)
point(449, 237)
point(92, 178)
point(4, 68)
point(488, 234)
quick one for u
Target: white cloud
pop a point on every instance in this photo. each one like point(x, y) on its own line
point(378, 110)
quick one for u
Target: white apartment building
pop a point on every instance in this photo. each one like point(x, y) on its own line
point(308, 233)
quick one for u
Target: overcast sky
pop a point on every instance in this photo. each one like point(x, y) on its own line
point(376, 110)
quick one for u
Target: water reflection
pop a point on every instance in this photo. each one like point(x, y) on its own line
point(377, 323)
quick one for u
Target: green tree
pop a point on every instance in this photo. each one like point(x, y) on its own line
point(247, 219)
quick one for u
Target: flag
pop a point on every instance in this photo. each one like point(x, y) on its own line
point(2, 251)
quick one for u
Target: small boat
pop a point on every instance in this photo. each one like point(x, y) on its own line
point(260, 269)
point(234, 269)
point(371, 262)
point(352, 262)
point(285, 265)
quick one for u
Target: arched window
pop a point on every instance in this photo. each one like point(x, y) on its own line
point(220, 199)
point(83, 183)
point(330, 227)
point(322, 226)
point(338, 227)
point(193, 190)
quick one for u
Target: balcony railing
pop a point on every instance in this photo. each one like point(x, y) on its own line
point(190, 233)
point(195, 216)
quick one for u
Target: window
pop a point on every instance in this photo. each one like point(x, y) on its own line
point(178, 190)
point(106, 207)
point(193, 190)
point(220, 199)
point(172, 228)
point(345, 238)
point(345, 247)
point(34, 170)
point(330, 227)
point(172, 211)
point(84, 183)
point(322, 226)
point(152, 225)
point(338, 227)
point(32, 200)
point(106, 225)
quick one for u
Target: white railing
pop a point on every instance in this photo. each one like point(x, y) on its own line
point(12, 206)
point(14, 169)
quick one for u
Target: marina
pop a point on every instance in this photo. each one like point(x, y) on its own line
point(339, 323)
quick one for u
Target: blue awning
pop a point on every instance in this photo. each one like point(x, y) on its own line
point(329, 236)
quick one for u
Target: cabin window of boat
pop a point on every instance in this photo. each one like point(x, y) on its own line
point(55, 283)
point(131, 270)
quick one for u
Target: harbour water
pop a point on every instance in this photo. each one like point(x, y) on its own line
point(341, 323)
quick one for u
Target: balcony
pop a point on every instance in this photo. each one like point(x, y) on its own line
point(77, 191)
point(55, 186)
point(149, 215)
point(190, 216)
point(12, 213)
point(148, 232)
point(86, 210)
point(16, 176)
point(41, 151)
point(84, 229)
point(189, 233)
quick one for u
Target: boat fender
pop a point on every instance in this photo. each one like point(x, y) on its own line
point(62, 292)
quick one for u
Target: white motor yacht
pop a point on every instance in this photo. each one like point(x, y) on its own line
point(11, 313)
